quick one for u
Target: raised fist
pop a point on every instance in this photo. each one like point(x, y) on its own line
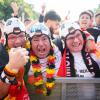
point(15, 8)
point(18, 57)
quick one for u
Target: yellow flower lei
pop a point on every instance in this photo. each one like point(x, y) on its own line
point(41, 86)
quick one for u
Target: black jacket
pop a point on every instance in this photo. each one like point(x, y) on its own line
point(4, 58)
point(95, 32)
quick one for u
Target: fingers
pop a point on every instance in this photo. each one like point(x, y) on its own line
point(26, 59)
point(18, 57)
point(25, 52)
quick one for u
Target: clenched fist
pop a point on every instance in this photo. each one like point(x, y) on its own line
point(18, 57)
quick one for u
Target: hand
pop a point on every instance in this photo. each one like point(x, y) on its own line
point(15, 8)
point(43, 7)
point(90, 45)
point(18, 57)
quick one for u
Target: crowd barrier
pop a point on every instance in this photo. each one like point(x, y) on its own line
point(72, 89)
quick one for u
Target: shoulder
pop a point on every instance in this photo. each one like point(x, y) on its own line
point(57, 52)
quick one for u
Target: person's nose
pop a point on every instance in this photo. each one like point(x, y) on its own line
point(17, 39)
point(41, 42)
point(75, 39)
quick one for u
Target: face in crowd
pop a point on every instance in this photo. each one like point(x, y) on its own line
point(74, 41)
point(54, 25)
point(52, 20)
point(40, 44)
point(16, 40)
point(97, 19)
point(84, 20)
point(15, 33)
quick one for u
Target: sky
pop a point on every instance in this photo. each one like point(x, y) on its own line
point(62, 7)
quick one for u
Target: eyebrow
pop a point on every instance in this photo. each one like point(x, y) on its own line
point(72, 35)
point(41, 35)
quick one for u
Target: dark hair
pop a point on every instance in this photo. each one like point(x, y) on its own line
point(52, 15)
point(97, 14)
point(83, 35)
point(0, 32)
point(91, 12)
point(26, 20)
point(85, 12)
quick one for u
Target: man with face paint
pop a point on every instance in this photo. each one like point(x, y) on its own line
point(45, 60)
point(11, 77)
point(76, 62)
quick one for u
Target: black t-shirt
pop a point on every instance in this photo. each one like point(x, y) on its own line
point(4, 58)
point(95, 32)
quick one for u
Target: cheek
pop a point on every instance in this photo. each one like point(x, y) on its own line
point(10, 44)
point(55, 27)
point(88, 20)
point(33, 46)
point(24, 41)
point(68, 44)
point(47, 45)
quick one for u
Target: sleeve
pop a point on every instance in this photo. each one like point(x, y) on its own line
point(41, 18)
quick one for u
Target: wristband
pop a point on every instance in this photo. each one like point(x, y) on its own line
point(10, 72)
point(4, 78)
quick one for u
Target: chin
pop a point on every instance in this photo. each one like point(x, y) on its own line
point(77, 50)
point(42, 56)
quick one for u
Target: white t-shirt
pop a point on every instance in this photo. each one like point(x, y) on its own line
point(80, 67)
point(98, 39)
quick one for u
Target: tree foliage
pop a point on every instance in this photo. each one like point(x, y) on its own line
point(97, 10)
point(6, 10)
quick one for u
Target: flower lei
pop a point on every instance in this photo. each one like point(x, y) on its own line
point(41, 86)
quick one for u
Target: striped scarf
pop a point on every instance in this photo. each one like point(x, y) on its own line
point(67, 65)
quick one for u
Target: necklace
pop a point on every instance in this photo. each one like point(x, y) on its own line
point(41, 86)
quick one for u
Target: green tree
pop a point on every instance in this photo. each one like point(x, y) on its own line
point(29, 11)
point(6, 10)
point(97, 10)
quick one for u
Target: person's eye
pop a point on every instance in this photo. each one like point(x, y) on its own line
point(35, 39)
point(44, 38)
point(78, 35)
point(21, 36)
point(70, 38)
point(11, 38)
point(87, 18)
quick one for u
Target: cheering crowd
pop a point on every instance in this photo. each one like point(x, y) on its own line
point(34, 53)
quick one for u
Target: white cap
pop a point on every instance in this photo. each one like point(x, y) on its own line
point(13, 23)
point(39, 27)
point(67, 26)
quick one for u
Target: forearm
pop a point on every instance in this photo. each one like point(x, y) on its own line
point(8, 75)
point(4, 87)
